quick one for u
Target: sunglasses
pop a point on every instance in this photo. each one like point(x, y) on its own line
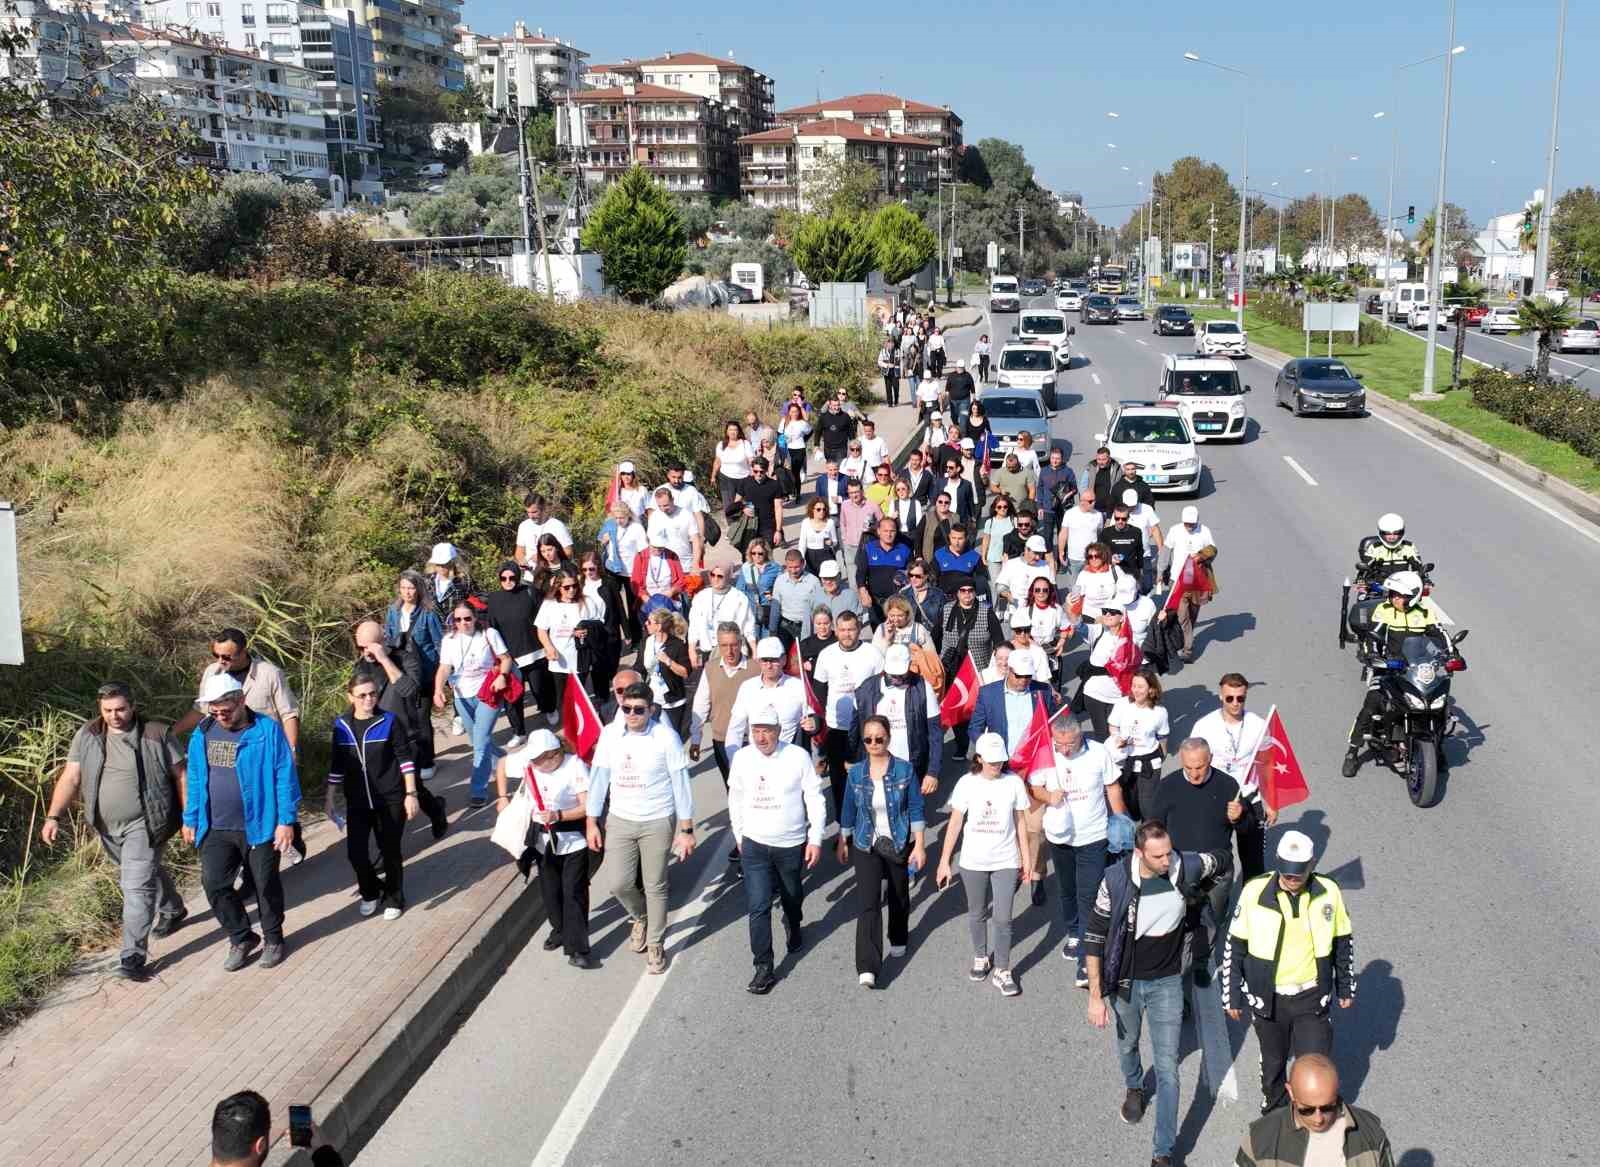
point(222, 656)
point(565, 584)
point(1041, 591)
point(461, 619)
point(1233, 700)
point(1331, 1108)
point(1095, 558)
point(875, 740)
point(509, 576)
point(635, 710)
point(914, 575)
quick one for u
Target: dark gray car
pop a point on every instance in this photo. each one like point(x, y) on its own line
point(1319, 385)
point(1098, 309)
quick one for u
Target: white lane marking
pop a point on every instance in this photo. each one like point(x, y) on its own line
point(1146, 343)
point(1300, 470)
point(1122, 332)
point(569, 1125)
point(1095, 377)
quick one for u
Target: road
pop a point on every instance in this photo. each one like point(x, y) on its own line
point(1516, 351)
point(1471, 918)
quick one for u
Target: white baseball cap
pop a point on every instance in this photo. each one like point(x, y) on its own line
point(217, 686)
point(769, 648)
point(658, 539)
point(766, 716)
point(688, 475)
point(624, 467)
point(1190, 514)
point(968, 444)
point(1130, 498)
point(1295, 854)
point(935, 415)
point(443, 553)
point(829, 569)
point(897, 661)
point(1021, 663)
point(541, 742)
point(1036, 543)
point(992, 748)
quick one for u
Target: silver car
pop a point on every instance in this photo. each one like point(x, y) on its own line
point(1010, 412)
point(1583, 336)
point(1129, 308)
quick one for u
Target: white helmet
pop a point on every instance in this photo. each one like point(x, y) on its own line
point(1391, 528)
point(1405, 583)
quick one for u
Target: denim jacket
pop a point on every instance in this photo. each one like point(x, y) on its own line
point(903, 793)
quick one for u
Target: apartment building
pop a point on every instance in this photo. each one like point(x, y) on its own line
point(744, 93)
point(897, 115)
point(413, 41)
point(251, 113)
point(501, 65)
point(773, 164)
point(682, 139)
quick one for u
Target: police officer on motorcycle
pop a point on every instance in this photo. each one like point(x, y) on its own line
point(1389, 546)
point(1398, 616)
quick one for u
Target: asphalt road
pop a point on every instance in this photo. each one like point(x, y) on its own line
point(1475, 938)
point(1515, 351)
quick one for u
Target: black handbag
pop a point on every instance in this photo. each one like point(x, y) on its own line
point(883, 846)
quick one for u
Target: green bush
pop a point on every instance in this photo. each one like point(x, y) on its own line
point(1559, 410)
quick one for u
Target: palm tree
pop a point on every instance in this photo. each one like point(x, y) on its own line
point(1322, 285)
point(1545, 318)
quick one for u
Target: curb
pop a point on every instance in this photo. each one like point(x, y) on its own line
point(408, 1039)
point(1583, 504)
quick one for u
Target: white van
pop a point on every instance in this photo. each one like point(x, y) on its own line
point(1206, 390)
point(1005, 294)
point(1398, 305)
point(432, 170)
point(1047, 326)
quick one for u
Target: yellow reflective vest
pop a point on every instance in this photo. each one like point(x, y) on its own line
point(1255, 943)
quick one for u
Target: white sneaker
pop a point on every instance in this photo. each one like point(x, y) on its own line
point(516, 742)
point(456, 728)
point(867, 981)
point(368, 907)
point(897, 950)
point(427, 773)
point(393, 913)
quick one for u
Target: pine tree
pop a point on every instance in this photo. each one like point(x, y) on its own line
point(835, 249)
point(638, 233)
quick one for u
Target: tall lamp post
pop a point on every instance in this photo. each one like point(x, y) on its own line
point(1437, 257)
point(1244, 182)
point(1541, 254)
point(1394, 153)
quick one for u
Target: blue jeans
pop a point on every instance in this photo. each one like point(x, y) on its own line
point(768, 869)
point(479, 718)
point(1161, 1003)
point(1079, 871)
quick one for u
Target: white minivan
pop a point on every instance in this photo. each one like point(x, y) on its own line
point(1005, 294)
point(1398, 305)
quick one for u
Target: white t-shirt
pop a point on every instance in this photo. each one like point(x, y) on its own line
point(1084, 777)
point(1098, 588)
point(854, 466)
point(710, 608)
point(1028, 458)
point(636, 497)
point(989, 828)
point(686, 497)
point(796, 433)
point(874, 451)
point(528, 533)
point(560, 620)
point(1182, 543)
point(1041, 660)
point(565, 788)
point(892, 704)
point(843, 673)
point(680, 527)
point(928, 391)
point(1145, 518)
point(1082, 528)
point(468, 659)
point(776, 798)
point(1046, 622)
point(1142, 728)
point(654, 665)
point(1102, 687)
point(733, 459)
point(640, 766)
point(1233, 746)
point(812, 538)
point(631, 540)
point(1017, 576)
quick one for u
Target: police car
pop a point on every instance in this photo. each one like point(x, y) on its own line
point(1207, 391)
point(1155, 435)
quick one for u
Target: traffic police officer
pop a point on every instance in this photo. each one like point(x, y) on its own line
point(1289, 953)
point(1390, 545)
point(1395, 618)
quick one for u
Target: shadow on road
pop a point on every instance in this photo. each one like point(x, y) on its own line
point(1368, 1026)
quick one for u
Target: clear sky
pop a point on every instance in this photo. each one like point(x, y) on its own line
point(1044, 74)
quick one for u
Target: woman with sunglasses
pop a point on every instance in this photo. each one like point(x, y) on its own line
point(411, 634)
point(467, 656)
point(756, 576)
point(1139, 729)
point(816, 536)
point(881, 825)
point(730, 464)
point(665, 663)
point(1001, 522)
point(600, 592)
point(990, 805)
point(563, 625)
point(1099, 581)
point(1049, 622)
point(370, 762)
point(510, 613)
point(796, 430)
point(927, 601)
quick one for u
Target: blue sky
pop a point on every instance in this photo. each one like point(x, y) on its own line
point(1044, 74)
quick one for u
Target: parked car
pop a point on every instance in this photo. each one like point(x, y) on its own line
point(1582, 337)
point(1172, 320)
point(1500, 319)
point(1319, 385)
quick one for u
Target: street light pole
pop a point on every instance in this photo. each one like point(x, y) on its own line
point(1541, 255)
point(1244, 183)
point(1428, 393)
point(1394, 155)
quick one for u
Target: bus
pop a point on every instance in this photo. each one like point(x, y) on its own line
point(1110, 279)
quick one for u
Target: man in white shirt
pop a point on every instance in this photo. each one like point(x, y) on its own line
point(1079, 794)
point(874, 450)
point(678, 525)
point(1017, 574)
point(776, 812)
point(643, 768)
point(1143, 516)
point(1234, 736)
point(539, 522)
point(721, 603)
point(1079, 527)
point(1185, 540)
point(772, 688)
point(839, 671)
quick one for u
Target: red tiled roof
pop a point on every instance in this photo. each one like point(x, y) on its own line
point(693, 59)
point(640, 92)
point(837, 128)
point(867, 103)
point(620, 67)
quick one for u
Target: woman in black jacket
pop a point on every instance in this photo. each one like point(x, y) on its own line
point(371, 762)
point(511, 610)
point(604, 652)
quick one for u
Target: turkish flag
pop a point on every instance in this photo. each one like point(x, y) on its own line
point(613, 492)
point(580, 721)
point(1276, 771)
point(1182, 580)
point(1125, 658)
point(961, 698)
point(794, 668)
point(1034, 752)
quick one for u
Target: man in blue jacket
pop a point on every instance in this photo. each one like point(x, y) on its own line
point(243, 799)
point(1006, 706)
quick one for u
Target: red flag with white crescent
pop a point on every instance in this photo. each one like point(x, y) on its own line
point(961, 698)
point(1034, 751)
point(1182, 580)
point(794, 668)
point(1276, 771)
point(1125, 659)
point(580, 720)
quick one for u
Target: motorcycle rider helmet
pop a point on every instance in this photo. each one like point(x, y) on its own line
point(1404, 583)
point(1391, 529)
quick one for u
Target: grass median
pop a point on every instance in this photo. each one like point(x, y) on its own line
point(1394, 368)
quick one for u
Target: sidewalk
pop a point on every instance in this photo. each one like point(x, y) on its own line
point(109, 1072)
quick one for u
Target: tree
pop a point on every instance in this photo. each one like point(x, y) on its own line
point(698, 215)
point(1458, 237)
point(451, 213)
point(749, 222)
point(1575, 236)
point(1528, 229)
point(833, 248)
point(835, 184)
point(638, 234)
point(1322, 286)
point(227, 229)
point(304, 247)
point(901, 242)
point(541, 137)
point(1543, 317)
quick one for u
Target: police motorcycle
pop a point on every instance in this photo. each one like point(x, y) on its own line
point(1412, 681)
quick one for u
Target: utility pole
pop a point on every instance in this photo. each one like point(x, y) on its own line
point(1438, 221)
point(1022, 246)
point(1541, 255)
point(1211, 254)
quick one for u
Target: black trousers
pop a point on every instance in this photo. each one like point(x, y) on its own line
point(835, 756)
point(797, 467)
point(222, 854)
point(540, 685)
point(873, 872)
point(1099, 717)
point(1140, 777)
point(891, 388)
point(1298, 1025)
point(386, 821)
point(1251, 840)
point(564, 880)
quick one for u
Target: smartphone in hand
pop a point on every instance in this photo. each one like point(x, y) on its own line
point(299, 1126)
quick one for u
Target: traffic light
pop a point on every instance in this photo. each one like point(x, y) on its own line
point(1411, 214)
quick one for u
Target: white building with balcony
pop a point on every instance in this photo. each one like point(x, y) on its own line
point(56, 52)
point(502, 65)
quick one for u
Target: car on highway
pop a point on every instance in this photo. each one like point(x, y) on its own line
point(1582, 337)
point(1223, 338)
point(1319, 385)
point(1013, 411)
point(1069, 300)
point(1129, 308)
point(1098, 309)
point(1416, 316)
point(1156, 437)
point(1004, 294)
point(1034, 287)
point(1028, 366)
point(1047, 326)
point(1472, 316)
point(1500, 319)
point(1208, 393)
point(1172, 320)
